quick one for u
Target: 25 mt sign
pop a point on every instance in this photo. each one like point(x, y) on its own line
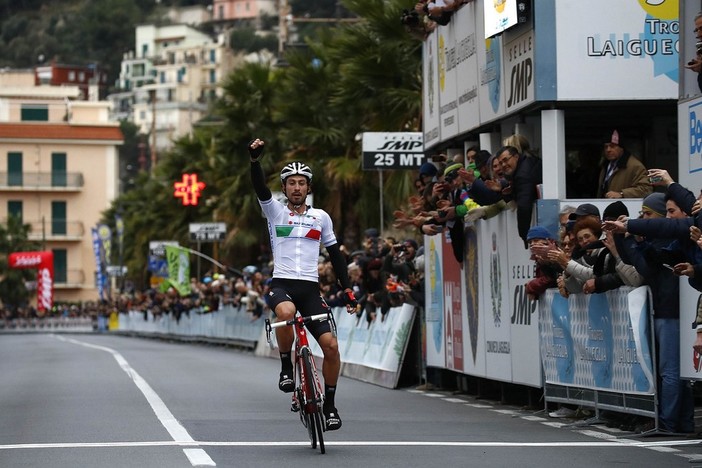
point(397, 150)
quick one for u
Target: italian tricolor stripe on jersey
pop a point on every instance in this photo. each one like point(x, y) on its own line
point(297, 231)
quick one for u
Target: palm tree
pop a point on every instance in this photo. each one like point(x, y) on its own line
point(14, 237)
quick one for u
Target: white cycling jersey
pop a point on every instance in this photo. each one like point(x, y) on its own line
point(296, 238)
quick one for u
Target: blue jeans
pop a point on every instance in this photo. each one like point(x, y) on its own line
point(675, 400)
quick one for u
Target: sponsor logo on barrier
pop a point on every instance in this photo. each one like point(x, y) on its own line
point(524, 308)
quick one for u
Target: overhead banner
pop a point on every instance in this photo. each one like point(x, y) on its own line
point(44, 263)
point(448, 100)
point(467, 44)
point(632, 46)
point(430, 90)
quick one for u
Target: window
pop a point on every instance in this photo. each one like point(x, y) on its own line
point(71, 75)
point(60, 265)
point(14, 168)
point(213, 56)
point(58, 169)
point(221, 12)
point(58, 218)
point(34, 112)
point(144, 50)
point(213, 76)
point(14, 208)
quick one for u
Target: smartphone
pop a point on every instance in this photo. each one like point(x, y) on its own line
point(655, 179)
point(668, 266)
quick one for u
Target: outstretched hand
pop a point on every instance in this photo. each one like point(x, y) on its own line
point(256, 149)
point(350, 300)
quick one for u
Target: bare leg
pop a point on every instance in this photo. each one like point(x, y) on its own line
point(285, 336)
point(332, 360)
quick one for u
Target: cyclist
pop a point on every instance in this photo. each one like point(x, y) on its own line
point(296, 232)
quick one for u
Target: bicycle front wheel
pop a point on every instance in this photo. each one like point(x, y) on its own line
point(312, 397)
point(311, 429)
point(319, 428)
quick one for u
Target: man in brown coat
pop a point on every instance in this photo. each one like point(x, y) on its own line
point(622, 175)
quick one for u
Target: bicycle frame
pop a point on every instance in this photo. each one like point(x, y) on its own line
point(308, 396)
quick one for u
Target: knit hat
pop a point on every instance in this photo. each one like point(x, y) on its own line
point(613, 138)
point(453, 167)
point(428, 169)
point(656, 203)
point(539, 232)
point(615, 210)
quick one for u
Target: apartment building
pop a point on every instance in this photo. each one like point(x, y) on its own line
point(58, 172)
point(167, 82)
point(228, 10)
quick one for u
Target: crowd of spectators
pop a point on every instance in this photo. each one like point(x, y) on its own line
point(595, 253)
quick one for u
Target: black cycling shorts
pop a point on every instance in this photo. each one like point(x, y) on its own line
point(306, 297)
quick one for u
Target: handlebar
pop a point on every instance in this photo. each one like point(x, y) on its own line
point(305, 320)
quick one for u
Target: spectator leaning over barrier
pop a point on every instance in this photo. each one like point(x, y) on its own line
point(676, 408)
point(580, 267)
point(524, 174)
point(627, 273)
point(541, 241)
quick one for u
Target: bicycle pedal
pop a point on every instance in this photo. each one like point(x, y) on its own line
point(295, 407)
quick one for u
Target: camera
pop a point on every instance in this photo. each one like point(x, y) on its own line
point(399, 247)
point(409, 17)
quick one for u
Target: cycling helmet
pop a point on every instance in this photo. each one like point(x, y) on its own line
point(295, 168)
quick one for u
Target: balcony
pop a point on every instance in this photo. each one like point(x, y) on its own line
point(43, 181)
point(56, 230)
point(70, 279)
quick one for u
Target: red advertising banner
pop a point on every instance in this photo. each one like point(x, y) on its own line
point(453, 316)
point(44, 263)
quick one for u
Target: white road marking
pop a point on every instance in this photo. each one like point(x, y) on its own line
point(554, 424)
point(198, 457)
point(534, 418)
point(454, 400)
point(478, 405)
point(164, 415)
point(353, 443)
point(506, 411)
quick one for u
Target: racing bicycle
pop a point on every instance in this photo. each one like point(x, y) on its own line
point(308, 397)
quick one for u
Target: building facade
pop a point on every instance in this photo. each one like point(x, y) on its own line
point(167, 83)
point(58, 172)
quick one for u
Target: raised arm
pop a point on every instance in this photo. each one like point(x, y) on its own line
point(255, 148)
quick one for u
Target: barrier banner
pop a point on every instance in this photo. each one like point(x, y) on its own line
point(379, 344)
point(44, 263)
point(370, 351)
point(598, 341)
